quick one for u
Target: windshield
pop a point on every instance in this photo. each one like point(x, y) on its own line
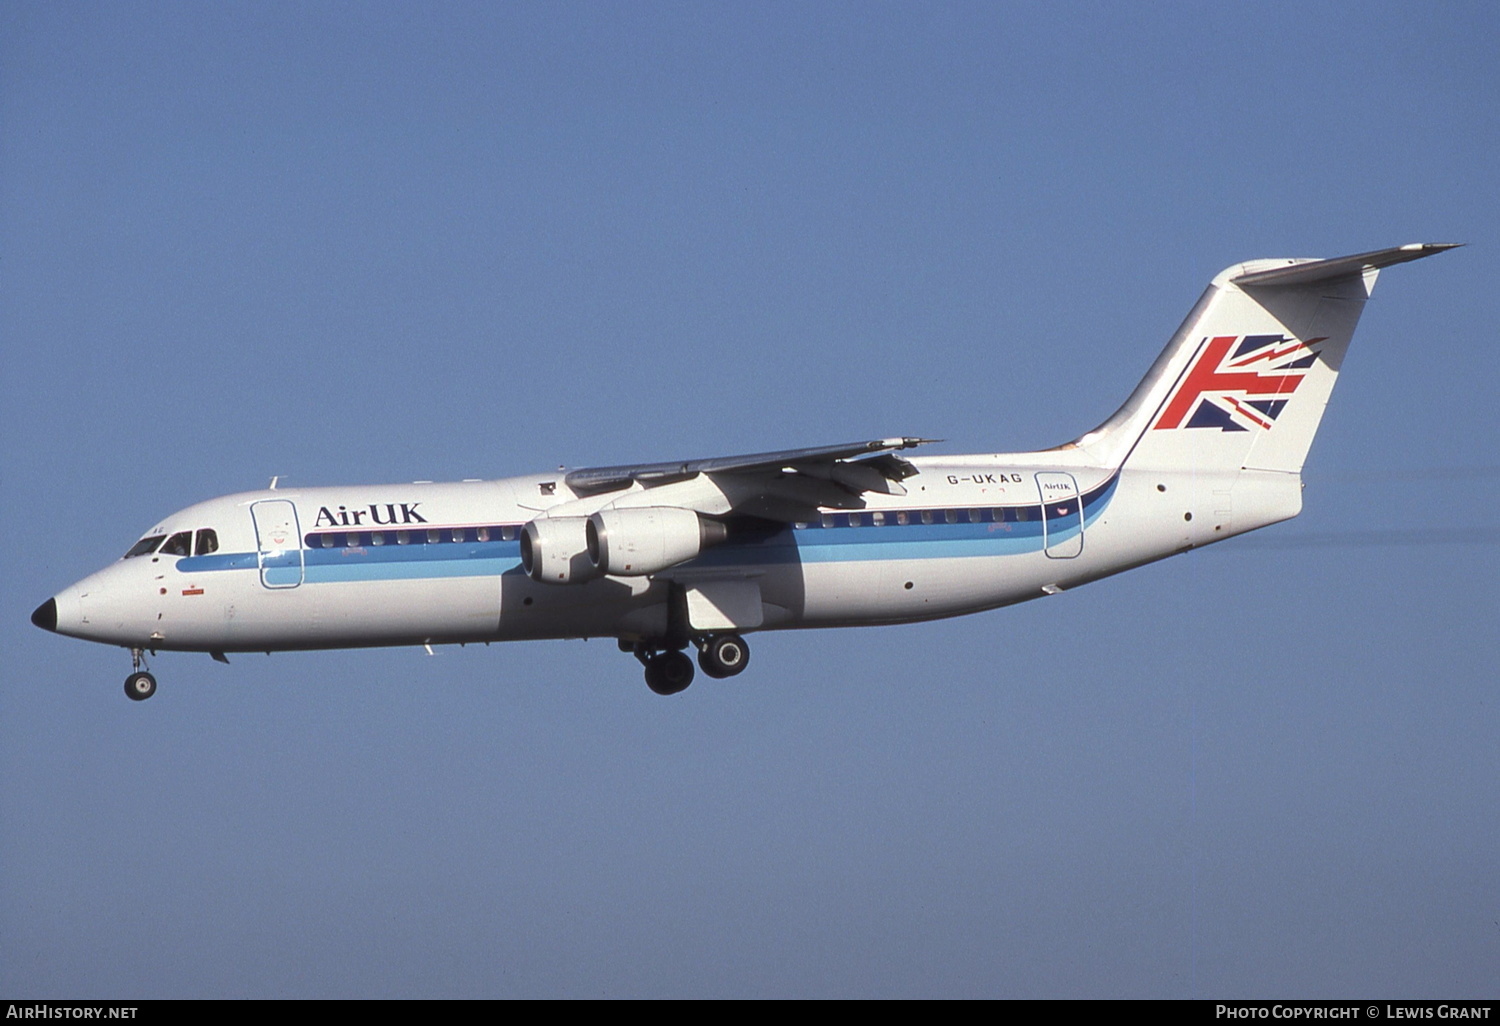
point(145, 545)
point(180, 544)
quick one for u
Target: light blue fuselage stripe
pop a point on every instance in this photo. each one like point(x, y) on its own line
point(813, 544)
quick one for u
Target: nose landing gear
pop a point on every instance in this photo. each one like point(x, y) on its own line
point(140, 685)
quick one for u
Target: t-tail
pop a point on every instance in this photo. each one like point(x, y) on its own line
point(1243, 383)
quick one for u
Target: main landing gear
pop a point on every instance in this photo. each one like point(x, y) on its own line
point(140, 685)
point(667, 673)
point(670, 672)
point(723, 655)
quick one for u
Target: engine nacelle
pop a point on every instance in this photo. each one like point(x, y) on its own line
point(644, 540)
point(554, 550)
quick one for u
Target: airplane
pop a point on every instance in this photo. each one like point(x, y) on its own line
point(698, 553)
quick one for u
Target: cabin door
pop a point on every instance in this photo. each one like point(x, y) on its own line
point(278, 542)
point(1062, 514)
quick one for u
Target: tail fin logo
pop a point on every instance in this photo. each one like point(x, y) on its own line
point(1239, 383)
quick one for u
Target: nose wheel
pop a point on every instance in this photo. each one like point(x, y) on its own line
point(140, 685)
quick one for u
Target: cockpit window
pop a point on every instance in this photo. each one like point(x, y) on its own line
point(208, 541)
point(145, 545)
point(180, 544)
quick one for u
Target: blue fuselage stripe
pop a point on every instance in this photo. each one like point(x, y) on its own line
point(814, 543)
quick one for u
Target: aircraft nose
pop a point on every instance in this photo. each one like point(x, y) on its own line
point(45, 615)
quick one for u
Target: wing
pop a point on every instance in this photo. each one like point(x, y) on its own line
point(592, 480)
point(781, 484)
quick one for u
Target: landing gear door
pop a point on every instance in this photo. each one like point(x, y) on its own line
point(726, 605)
point(1062, 514)
point(278, 539)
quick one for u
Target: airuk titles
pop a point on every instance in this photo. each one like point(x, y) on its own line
point(394, 513)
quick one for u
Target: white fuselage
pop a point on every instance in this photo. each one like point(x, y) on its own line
point(439, 563)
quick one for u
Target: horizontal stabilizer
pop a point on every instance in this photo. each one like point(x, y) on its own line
point(1310, 271)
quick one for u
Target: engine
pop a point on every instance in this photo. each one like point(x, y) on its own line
point(554, 550)
point(644, 540)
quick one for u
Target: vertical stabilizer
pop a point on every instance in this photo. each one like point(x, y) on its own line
point(1244, 382)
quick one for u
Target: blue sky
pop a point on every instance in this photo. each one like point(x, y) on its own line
point(350, 243)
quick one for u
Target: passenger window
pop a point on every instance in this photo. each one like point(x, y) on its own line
point(377, 537)
point(976, 516)
point(458, 534)
point(854, 520)
point(829, 520)
point(878, 519)
point(927, 516)
point(508, 534)
point(326, 540)
point(208, 541)
point(145, 545)
point(180, 544)
point(433, 537)
point(903, 518)
point(483, 534)
point(403, 537)
point(950, 515)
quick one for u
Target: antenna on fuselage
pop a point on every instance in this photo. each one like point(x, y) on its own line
point(274, 479)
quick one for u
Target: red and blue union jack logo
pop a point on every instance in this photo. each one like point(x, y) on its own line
point(1238, 383)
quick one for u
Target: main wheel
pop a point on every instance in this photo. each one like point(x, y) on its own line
point(140, 686)
point(669, 673)
point(724, 656)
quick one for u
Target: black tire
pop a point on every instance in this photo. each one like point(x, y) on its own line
point(724, 656)
point(140, 686)
point(669, 673)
